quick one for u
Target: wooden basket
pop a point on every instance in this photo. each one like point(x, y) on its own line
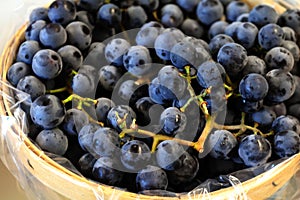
point(72, 186)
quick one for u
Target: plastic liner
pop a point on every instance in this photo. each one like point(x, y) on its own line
point(12, 144)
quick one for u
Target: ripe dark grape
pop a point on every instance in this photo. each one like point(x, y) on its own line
point(281, 85)
point(47, 111)
point(287, 143)
point(172, 121)
point(262, 15)
point(235, 9)
point(253, 87)
point(106, 171)
point(254, 150)
point(221, 142)
point(233, 57)
point(171, 15)
point(135, 155)
point(53, 141)
point(151, 178)
point(209, 11)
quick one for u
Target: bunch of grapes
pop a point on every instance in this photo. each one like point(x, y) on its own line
point(163, 95)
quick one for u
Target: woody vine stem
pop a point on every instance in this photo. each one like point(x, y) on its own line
point(210, 124)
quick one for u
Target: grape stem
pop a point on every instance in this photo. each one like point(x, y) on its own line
point(156, 137)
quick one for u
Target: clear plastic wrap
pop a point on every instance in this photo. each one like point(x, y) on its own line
point(48, 176)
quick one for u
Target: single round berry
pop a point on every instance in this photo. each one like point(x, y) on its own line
point(53, 36)
point(62, 12)
point(79, 34)
point(53, 141)
point(254, 150)
point(47, 64)
point(47, 111)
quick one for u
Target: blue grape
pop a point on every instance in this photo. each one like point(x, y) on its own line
point(293, 48)
point(188, 5)
point(62, 12)
point(191, 27)
point(79, 34)
point(250, 106)
point(222, 142)
point(136, 16)
point(86, 163)
point(137, 60)
point(209, 11)
point(106, 171)
point(231, 29)
point(255, 65)
point(32, 86)
point(285, 123)
point(156, 92)
point(233, 57)
point(281, 85)
point(33, 30)
point(27, 50)
point(17, 71)
point(253, 87)
point(74, 120)
point(135, 155)
point(246, 34)
point(243, 18)
point(171, 15)
point(53, 141)
point(110, 13)
point(201, 47)
point(151, 178)
point(187, 167)
point(53, 36)
point(147, 36)
point(115, 50)
point(165, 42)
point(83, 85)
point(47, 64)
point(87, 18)
point(183, 54)
point(236, 8)
point(279, 58)
point(120, 111)
point(71, 56)
point(86, 134)
point(262, 15)
point(47, 111)
point(211, 74)
point(290, 18)
point(217, 28)
point(270, 36)
point(167, 154)
point(96, 55)
point(38, 13)
point(286, 143)
point(102, 108)
point(105, 143)
point(172, 121)
point(109, 76)
point(169, 77)
point(264, 117)
point(254, 150)
point(217, 42)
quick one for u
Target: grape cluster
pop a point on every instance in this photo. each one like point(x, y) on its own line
point(163, 94)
